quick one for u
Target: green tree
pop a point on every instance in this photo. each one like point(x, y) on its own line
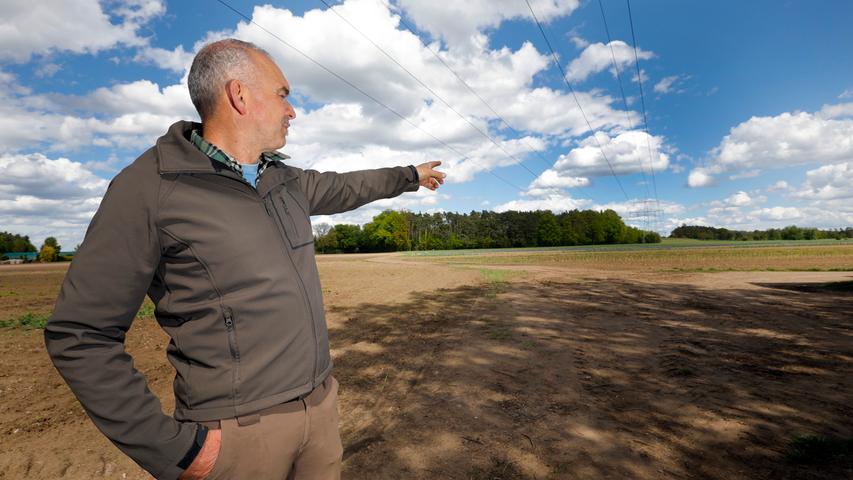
point(327, 242)
point(349, 237)
point(548, 230)
point(389, 231)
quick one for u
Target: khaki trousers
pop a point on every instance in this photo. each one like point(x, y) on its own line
point(298, 440)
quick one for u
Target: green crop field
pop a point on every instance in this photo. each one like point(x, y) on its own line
point(670, 255)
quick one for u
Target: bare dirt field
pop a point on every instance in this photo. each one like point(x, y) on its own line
point(513, 367)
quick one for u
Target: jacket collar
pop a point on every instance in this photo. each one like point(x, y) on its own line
point(177, 154)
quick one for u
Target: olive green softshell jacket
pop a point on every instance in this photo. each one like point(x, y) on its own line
point(232, 274)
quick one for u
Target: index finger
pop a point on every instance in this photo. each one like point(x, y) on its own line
point(434, 164)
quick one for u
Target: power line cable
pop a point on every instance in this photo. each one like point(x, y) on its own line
point(356, 88)
point(643, 103)
point(572, 90)
point(624, 102)
point(430, 90)
point(467, 86)
point(474, 92)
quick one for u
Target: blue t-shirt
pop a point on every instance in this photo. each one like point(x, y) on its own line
point(250, 172)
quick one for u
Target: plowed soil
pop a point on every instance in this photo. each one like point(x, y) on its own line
point(520, 371)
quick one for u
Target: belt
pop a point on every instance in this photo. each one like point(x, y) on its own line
point(299, 403)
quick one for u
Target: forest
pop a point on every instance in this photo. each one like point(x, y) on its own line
point(791, 232)
point(402, 230)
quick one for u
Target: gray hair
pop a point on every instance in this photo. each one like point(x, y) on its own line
point(214, 65)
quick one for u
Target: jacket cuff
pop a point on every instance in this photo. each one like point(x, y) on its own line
point(414, 182)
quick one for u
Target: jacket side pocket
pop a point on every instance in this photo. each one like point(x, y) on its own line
point(233, 348)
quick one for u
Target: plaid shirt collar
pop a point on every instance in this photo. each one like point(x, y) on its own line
point(215, 153)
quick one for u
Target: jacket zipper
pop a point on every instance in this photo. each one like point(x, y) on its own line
point(231, 328)
point(298, 276)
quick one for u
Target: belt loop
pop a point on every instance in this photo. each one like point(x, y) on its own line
point(251, 419)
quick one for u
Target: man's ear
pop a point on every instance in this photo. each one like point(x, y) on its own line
point(236, 90)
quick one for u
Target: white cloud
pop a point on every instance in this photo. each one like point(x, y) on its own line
point(176, 60)
point(778, 213)
point(840, 110)
point(43, 197)
point(829, 182)
point(597, 58)
point(700, 177)
point(550, 112)
point(742, 211)
point(552, 179)
point(458, 23)
point(556, 202)
point(665, 84)
point(82, 26)
point(141, 96)
point(415, 201)
point(579, 42)
point(740, 199)
point(626, 153)
point(670, 84)
point(784, 140)
point(847, 93)
point(128, 115)
point(779, 186)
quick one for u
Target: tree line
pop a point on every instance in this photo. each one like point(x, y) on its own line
point(13, 243)
point(402, 230)
point(791, 232)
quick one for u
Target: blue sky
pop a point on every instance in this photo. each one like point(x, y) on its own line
point(749, 104)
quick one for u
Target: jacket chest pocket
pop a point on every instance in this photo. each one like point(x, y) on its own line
point(293, 216)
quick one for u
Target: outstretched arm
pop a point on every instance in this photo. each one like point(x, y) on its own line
point(331, 192)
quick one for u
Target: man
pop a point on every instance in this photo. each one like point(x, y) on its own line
point(214, 226)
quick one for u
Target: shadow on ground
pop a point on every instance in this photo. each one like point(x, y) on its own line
point(594, 379)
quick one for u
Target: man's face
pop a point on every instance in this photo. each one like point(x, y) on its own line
point(270, 111)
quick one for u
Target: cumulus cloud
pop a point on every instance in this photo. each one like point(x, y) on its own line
point(555, 201)
point(742, 211)
point(40, 196)
point(552, 179)
point(627, 152)
point(700, 177)
point(739, 199)
point(82, 26)
point(422, 200)
point(176, 60)
point(125, 116)
point(459, 23)
point(785, 140)
point(597, 57)
point(829, 182)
